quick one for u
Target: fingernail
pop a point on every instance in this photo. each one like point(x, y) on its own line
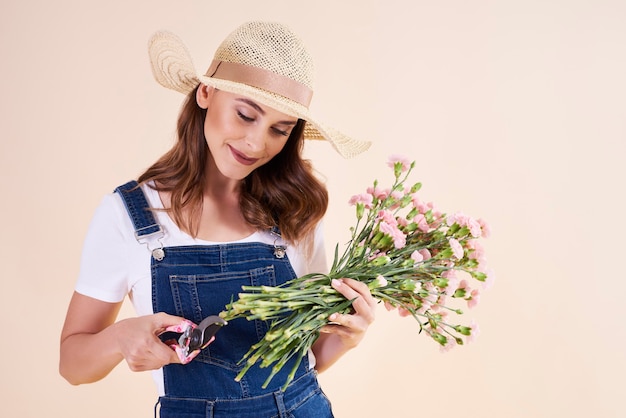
point(332, 317)
point(336, 282)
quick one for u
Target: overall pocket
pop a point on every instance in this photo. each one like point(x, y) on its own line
point(196, 296)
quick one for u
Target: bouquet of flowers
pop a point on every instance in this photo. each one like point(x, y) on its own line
point(410, 255)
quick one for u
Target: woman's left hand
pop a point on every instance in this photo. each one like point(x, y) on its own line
point(351, 328)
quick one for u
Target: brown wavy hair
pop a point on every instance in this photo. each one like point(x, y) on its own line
point(283, 193)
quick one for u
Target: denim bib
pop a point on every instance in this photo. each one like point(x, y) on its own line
point(200, 280)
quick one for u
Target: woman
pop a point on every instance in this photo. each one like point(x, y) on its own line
point(232, 203)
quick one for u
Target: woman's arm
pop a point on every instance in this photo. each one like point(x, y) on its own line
point(346, 331)
point(92, 343)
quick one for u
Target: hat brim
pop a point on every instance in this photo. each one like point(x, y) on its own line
point(173, 68)
point(314, 130)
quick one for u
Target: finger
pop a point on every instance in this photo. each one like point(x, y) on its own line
point(361, 289)
point(332, 329)
point(162, 321)
point(363, 304)
point(151, 357)
point(349, 323)
point(165, 353)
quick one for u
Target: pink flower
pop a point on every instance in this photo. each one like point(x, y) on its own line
point(449, 274)
point(419, 205)
point(421, 222)
point(491, 278)
point(425, 253)
point(486, 230)
point(417, 256)
point(453, 284)
point(462, 219)
point(365, 198)
point(397, 194)
point(382, 282)
point(449, 345)
point(474, 227)
point(478, 252)
point(474, 298)
point(393, 159)
point(458, 218)
point(378, 193)
point(387, 216)
point(475, 332)
point(457, 249)
point(399, 239)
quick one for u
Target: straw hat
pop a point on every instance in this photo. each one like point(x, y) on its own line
point(264, 61)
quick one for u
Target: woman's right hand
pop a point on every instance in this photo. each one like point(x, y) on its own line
point(92, 343)
point(139, 343)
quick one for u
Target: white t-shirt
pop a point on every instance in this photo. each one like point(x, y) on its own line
point(114, 264)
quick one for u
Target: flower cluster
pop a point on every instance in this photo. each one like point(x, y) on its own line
point(412, 257)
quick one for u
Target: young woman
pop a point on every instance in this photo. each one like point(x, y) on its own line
point(232, 203)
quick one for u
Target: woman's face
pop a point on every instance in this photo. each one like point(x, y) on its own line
point(242, 134)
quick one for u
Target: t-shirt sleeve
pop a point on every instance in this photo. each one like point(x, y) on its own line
point(104, 270)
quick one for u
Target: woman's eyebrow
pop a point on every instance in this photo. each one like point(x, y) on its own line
point(251, 103)
point(258, 108)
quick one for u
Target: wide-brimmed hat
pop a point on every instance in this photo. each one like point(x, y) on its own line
point(264, 61)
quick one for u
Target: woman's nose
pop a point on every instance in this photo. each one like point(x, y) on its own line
point(255, 140)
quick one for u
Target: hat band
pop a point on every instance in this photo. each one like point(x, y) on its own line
point(260, 78)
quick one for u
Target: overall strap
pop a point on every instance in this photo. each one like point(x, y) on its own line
point(146, 227)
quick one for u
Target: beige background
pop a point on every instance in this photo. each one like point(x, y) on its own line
point(514, 111)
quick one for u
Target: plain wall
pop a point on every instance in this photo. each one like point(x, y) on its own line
point(513, 110)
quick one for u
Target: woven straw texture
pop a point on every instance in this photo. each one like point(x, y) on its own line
point(268, 46)
point(272, 47)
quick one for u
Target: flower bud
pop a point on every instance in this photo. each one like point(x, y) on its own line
point(375, 239)
point(440, 282)
point(412, 227)
point(462, 232)
point(405, 201)
point(358, 251)
point(407, 284)
point(412, 213)
point(379, 281)
point(445, 253)
point(453, 228)
point(463, 330)
point(381, 261)
point(359, 210)
point(407, 263)
point(441, 339)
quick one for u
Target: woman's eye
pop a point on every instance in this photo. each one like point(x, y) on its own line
point(244, 117)
point(281, 132)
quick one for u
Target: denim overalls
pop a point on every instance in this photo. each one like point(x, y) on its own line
point(197, 281)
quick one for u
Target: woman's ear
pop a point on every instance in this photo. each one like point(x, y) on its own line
point(203, 95)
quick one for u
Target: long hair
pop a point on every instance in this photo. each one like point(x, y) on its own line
point(283, 193)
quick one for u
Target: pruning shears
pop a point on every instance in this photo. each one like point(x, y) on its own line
point(186, 338)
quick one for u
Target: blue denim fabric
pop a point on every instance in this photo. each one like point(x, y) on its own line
point(138, 209)
point(198, 281)
point(302, 399)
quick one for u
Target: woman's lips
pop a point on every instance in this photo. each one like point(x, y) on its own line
point(242, 158)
